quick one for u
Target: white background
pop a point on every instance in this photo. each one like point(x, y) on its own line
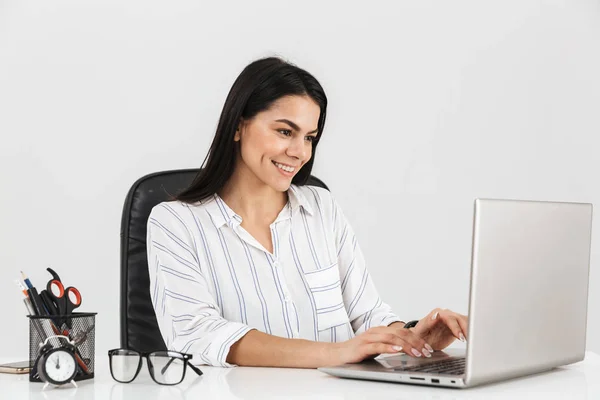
point(431, 104)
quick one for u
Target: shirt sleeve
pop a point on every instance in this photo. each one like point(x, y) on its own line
point(365, 308)
point(188, 316)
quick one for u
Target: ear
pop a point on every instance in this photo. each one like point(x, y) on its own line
point(238, 131)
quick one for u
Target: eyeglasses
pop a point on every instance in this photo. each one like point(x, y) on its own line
point(166, 367)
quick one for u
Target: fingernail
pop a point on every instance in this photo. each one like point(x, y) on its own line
point(397, 348)
point(416, 353)
point(462, 337)
point(435, 315)
point(428, 347)
point(426, 353)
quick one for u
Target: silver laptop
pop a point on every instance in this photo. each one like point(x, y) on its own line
point(527, 302)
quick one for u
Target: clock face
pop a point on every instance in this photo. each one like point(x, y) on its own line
point(60, 366)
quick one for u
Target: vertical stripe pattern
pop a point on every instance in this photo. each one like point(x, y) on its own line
point(211, 282)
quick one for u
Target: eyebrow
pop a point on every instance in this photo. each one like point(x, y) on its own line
point(293, 125)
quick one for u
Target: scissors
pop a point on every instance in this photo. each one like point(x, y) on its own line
point(62, 300)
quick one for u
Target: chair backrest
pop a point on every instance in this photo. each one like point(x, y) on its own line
point(139, 329)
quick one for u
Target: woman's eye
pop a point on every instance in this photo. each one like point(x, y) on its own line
point(311, 138)
point(285, 132)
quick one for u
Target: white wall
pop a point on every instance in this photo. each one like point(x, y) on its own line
point(431, 105)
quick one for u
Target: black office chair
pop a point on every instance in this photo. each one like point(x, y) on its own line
point(139, 328)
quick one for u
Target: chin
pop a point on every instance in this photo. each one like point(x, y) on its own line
point(279, 185)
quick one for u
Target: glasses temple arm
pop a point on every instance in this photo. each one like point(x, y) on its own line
point(164, 369)
point(195, 369)
point(192, 366)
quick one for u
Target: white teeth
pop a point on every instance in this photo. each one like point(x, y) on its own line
point(285, 167)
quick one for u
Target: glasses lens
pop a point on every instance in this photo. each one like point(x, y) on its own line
point(124, 364)
point(167, 367)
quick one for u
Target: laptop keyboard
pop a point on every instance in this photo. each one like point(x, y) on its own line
point(449, 367)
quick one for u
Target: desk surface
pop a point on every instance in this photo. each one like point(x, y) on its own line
point(576, 381)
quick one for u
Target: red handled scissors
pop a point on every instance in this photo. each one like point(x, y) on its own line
point(65, 299)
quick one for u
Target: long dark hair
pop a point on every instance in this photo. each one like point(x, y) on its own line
point(259, 85)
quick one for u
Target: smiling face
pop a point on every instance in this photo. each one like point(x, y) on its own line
point(276, 143)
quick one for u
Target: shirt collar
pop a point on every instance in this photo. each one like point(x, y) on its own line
point(221, 214)
point(298, 199)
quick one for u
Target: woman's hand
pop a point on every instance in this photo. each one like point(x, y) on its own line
point(441, 327)
point(377, 340)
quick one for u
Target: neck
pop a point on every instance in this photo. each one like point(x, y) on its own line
point(252, 199)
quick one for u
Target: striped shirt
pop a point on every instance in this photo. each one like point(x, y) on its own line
point(211, 281)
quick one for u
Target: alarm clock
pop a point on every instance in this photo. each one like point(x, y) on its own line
point(57, 365)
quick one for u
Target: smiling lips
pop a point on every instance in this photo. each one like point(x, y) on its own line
point(284, 167)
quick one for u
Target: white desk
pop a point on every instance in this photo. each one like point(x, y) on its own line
point(577, 381)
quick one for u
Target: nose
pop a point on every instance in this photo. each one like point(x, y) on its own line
point(299, 148)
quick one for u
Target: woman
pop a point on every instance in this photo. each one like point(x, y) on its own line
point(250, 267)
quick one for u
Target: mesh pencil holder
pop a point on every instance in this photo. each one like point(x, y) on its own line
point(80, 328)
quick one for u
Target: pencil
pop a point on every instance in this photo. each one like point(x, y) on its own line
point(26, 279)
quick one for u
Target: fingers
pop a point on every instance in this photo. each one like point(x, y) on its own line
point(464, 324)
point(389, 338)
point(380, 348)
point(418, 346)
point(451, 319)
point(393, 341)
point(429, 321)
point(396, 338)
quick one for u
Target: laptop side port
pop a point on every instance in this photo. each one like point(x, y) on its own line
point(435, 381)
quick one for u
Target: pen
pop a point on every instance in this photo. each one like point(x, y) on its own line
point(29, 306)
point(20, 285)
point(31, 311)
point(37, 304)
point(34, 296)
point(36, 301)
point(35, 322)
